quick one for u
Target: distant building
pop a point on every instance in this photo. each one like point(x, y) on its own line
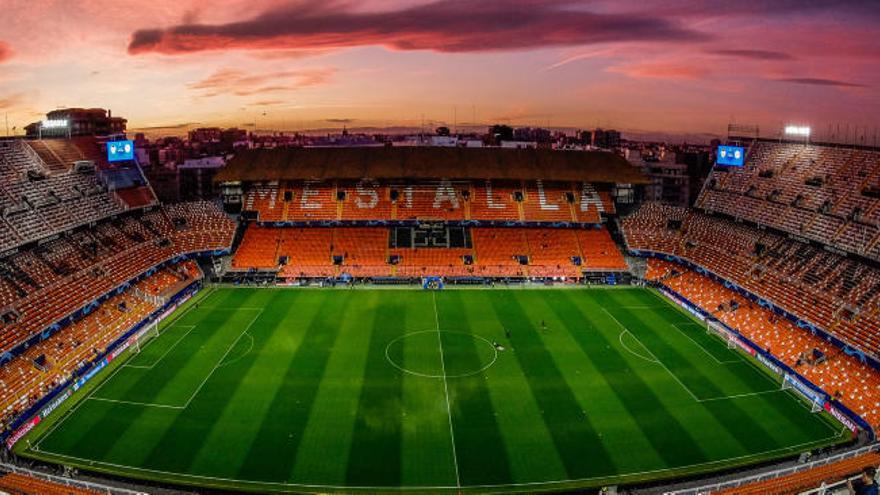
point(536, 134)
point(606, 139)
point(699, 162)
point(670, 182)
point(205, 134)
point(519, 144)
point(586, 138)
point(196, 177)
point(444, 141)
point(70, 122)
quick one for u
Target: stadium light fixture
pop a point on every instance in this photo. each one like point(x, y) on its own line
point(797, 130)
point(53, 124)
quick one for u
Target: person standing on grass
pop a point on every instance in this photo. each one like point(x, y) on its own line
point(865, 485)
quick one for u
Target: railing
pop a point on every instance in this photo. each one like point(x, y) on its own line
point(60, 480)
point(769, 475)
point(33, 155)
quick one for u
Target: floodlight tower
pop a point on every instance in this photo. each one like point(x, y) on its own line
point(798, 131)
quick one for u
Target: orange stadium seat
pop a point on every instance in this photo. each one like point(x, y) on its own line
point(97, 262)
point(856, 384)
point(436, 200)
point(22, 383)
point(431, 201)
point(548, 202)
point(365, 252)
point(808, 281)
point(20, 484)
point(493, 200)
point(365, 200)
point(551, 252)
point(805, 480)
point(310, 200)
point(258, 249)
point(600, 252)
point(810, 190)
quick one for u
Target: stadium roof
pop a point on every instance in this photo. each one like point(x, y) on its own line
point(429, 163)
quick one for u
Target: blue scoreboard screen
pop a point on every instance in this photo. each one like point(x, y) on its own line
point(734, 156)
point(118, 151)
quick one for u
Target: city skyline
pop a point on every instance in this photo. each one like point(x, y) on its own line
point(653, 66)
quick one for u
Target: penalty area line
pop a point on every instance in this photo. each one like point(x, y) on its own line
point(223, 357)
point(733, 361)
point(621, 325)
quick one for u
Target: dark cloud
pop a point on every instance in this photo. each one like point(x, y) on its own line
point(268, 103)
point(864, 9)
point(145, 37)
point(240, 83)
point(167, 127)
point(443, 26)
point(754, 54)
point(815, 81)
point(339, 121)
point(5, 52)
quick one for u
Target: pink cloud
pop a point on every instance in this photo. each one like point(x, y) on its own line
point(5, 52)
point(240, 83)
point(662, 70)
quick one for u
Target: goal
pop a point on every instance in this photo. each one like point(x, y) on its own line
point(140, 339)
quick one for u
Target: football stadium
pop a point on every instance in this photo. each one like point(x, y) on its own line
point(439, 247)
point(434, 319)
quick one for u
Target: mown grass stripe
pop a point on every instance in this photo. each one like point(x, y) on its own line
point(671, 441)
point(577, 442)
point(482, 458)
point(745, 426)
point(375, 458)
point(177, 444)
point(531, 454)
point(778, 406)
point(272, 452)
point(110, 428)
point(426, 444)
point(669, 392)
point(251, 395)
point(331, 422)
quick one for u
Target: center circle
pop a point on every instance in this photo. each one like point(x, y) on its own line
point(420, 353)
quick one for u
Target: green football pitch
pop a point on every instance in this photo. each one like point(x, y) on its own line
point(390, 389)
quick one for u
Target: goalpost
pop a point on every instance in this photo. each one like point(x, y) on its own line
point(816, 403)
point(140, 338)
point(789, 382)
point(716, 330)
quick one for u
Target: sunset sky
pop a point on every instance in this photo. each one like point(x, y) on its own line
point(654, 65)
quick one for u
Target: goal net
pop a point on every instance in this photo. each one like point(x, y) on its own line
point(140, 339)
point(816, 402)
